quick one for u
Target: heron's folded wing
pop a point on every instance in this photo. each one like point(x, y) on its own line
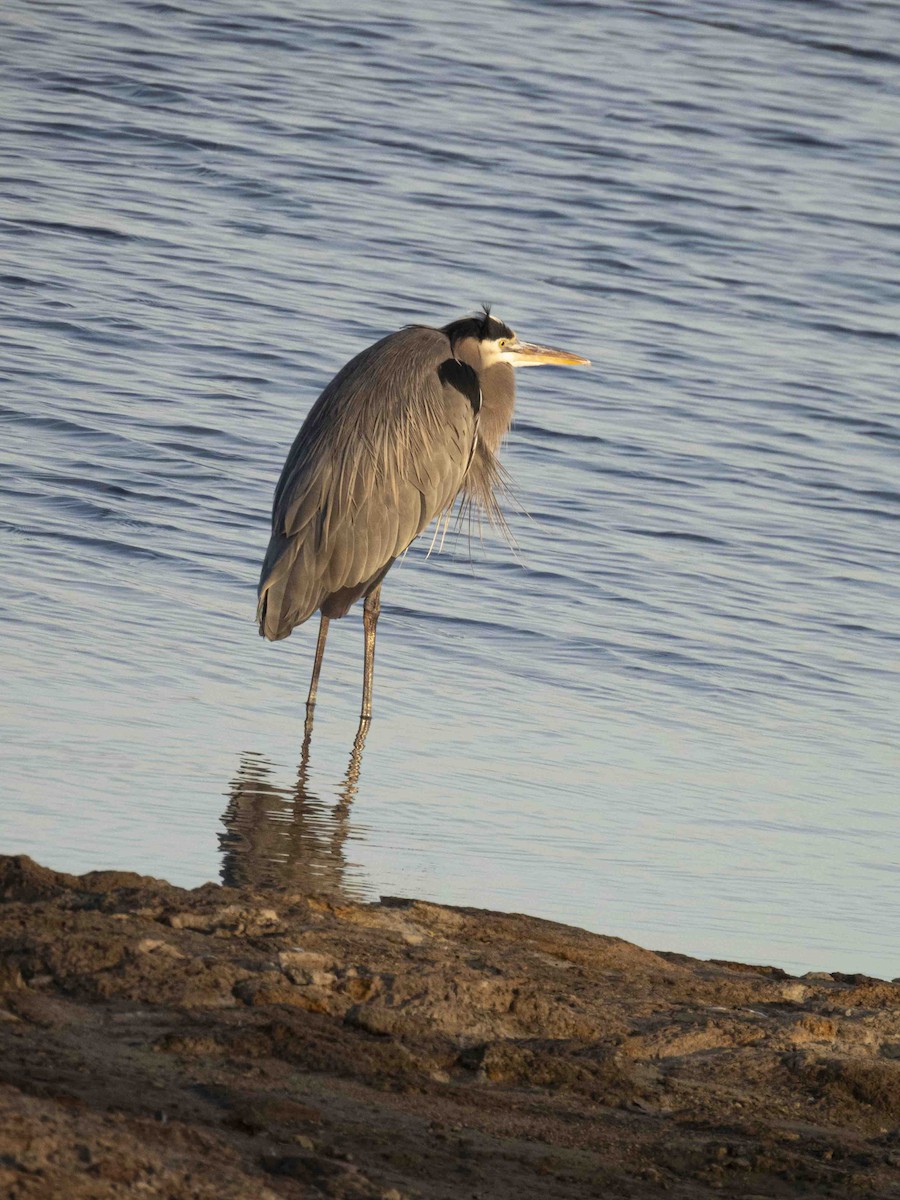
point(384, 451)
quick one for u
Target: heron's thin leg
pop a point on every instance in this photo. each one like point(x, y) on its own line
point(317, 666)
point(371, 609)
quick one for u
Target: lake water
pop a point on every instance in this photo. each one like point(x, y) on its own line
point(675, 716)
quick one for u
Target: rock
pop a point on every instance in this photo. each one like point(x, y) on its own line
point(795, 993)
point(158, 1041)
point(307, 967)
point(155, 946)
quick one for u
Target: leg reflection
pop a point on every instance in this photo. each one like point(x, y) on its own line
point(351, 778)
point(288, 836)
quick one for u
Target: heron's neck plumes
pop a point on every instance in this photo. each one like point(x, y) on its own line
point(486, 479)
point(498, 398)
point(498, 392)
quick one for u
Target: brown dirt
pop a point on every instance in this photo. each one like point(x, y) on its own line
point(223, 1043)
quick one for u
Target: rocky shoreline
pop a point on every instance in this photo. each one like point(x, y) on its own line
point(229, 1043)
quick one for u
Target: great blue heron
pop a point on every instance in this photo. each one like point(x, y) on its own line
point(401, 431)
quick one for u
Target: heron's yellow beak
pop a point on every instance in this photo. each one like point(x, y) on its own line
point(525, 354)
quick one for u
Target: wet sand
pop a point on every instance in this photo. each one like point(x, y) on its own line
point(271, 1043)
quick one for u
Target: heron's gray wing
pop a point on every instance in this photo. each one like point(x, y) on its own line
point(384, 451)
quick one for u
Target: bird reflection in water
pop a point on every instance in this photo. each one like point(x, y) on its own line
point(288, 837)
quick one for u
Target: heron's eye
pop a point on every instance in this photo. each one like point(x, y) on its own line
point(501, 343)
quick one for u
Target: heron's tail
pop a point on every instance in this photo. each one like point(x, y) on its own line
point(285, 596)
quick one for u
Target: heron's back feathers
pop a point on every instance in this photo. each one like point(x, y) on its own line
point(385, 449)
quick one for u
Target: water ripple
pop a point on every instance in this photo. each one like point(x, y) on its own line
point(693, 651)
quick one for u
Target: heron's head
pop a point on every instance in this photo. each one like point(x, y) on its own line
point(484, 341)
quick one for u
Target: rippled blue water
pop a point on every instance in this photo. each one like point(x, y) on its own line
point(676, 718)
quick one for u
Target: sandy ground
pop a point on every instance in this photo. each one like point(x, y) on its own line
point(224, 1043)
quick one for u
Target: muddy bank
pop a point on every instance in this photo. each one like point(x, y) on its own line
point(231, 1043)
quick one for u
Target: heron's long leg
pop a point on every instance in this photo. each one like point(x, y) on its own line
point(371, 609)
point(317, 666)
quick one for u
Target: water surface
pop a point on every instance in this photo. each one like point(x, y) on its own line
point(675, 715)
